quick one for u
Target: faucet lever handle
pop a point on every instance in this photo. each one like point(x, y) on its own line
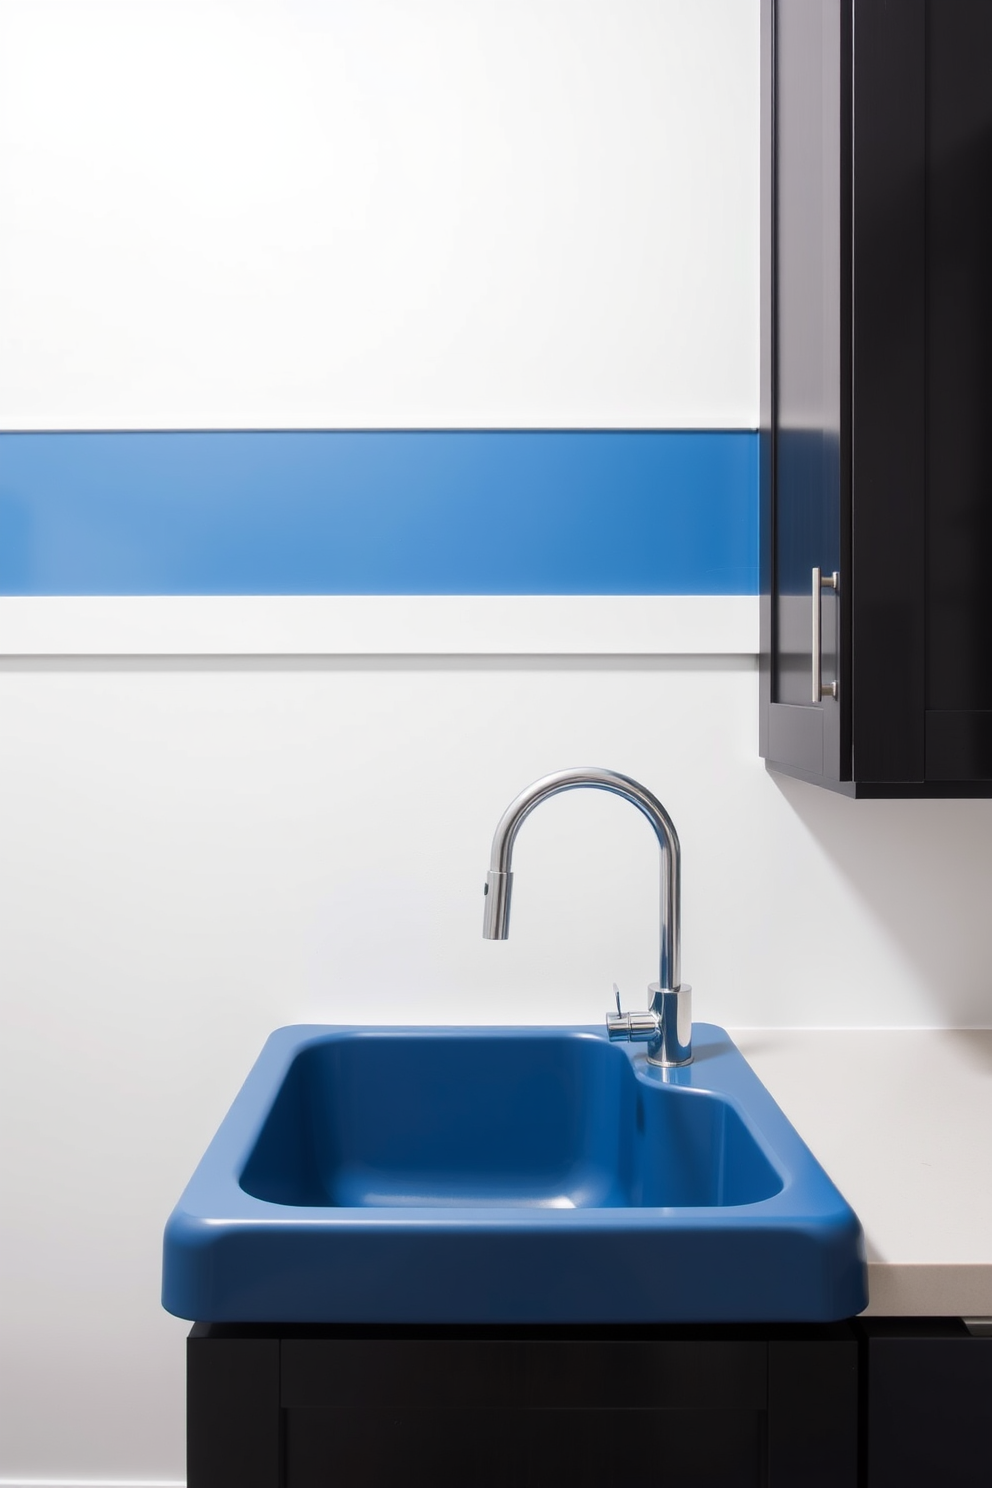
point(616, 994)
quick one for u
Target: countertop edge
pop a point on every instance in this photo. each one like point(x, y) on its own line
point(897, 1117)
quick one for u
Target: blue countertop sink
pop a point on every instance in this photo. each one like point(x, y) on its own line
point(507, 1175)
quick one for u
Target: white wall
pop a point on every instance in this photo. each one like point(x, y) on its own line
point(378, 213)
point(193, 852)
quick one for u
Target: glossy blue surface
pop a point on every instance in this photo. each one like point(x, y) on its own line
point(507, 1175)
point(380, 512)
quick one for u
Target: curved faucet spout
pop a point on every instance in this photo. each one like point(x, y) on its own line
point(500, 879)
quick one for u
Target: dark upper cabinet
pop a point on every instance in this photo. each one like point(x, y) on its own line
point(876, 384)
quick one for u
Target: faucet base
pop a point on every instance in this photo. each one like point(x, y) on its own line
point(666, 1028)
point(672, 1006)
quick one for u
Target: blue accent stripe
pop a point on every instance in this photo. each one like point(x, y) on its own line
point(489, 512)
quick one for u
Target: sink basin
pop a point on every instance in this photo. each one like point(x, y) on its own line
point(531, 1175)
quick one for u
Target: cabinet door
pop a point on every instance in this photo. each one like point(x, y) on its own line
point(805, 385)
point(927, 1391)
point(843, 417)
point(959, 391)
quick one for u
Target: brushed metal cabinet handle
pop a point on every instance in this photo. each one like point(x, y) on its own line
point(821, 689)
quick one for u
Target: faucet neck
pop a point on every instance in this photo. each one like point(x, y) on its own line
point(500, 878)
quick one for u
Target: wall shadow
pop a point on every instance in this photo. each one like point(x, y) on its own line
point(924, 870)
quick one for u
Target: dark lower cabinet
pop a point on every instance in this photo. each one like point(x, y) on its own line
point(234, 1426)
point(870, 1403)
point(928, 1390)
point(479, 1448)
point(737, 1407)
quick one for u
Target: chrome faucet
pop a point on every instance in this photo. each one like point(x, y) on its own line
point(666, 1026)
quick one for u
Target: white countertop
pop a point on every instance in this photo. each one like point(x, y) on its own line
point(902, 1122)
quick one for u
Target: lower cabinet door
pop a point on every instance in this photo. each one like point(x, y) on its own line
point(741, 1407)
point(929, 1404)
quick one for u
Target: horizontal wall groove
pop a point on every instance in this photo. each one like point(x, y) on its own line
point(92, 1483)
point(387, 625)
point(11, 665)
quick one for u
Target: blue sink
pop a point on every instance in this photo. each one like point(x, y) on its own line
point(525, 1175)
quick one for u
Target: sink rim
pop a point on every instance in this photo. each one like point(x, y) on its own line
point(796, 1255)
